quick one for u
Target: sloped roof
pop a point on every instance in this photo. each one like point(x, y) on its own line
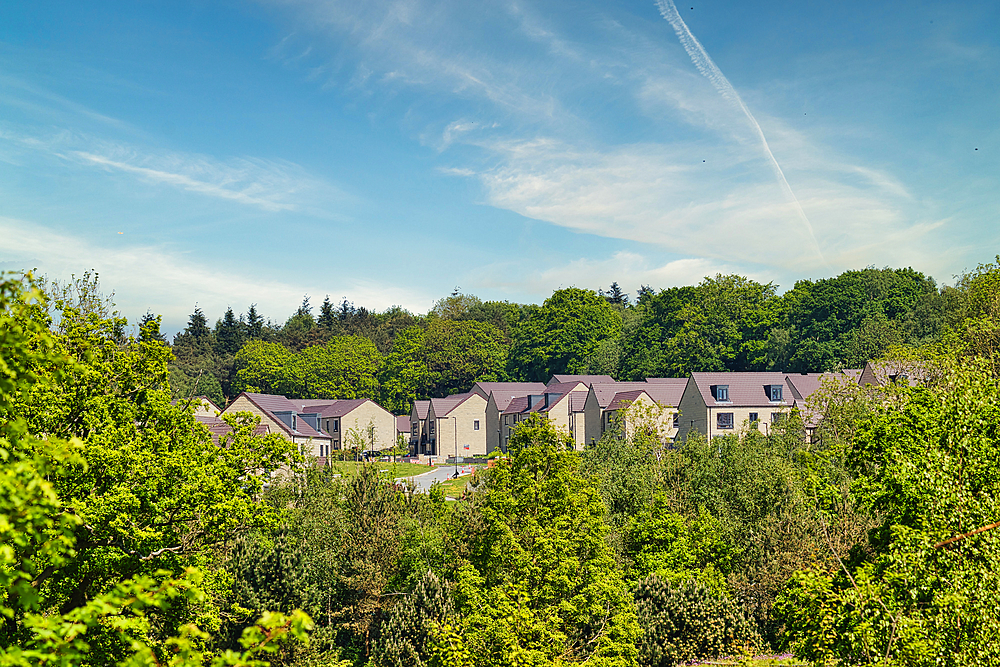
point(668, 392)
point(422, 407)
point(745, 389)
point(403, 424)
point(504, 391)
point(804, 384)
point(606, 390)
point(586, 379)
point(517, 405)
point(272, 403)
point(577, 401)
point(666, 380)
point(442, 406)
point(218, 428)
point(625, 397)
point(342, 407)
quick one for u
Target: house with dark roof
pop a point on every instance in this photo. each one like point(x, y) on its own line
point(655, 407)
point(280, 415)
point(457, 424)
point(571, 406)
point(202, 406)
point(422, 440)
point(717, 404)
point(353, 422)
point(498, 396)
point(804, 387)
point(585, 379)
point(218, 428)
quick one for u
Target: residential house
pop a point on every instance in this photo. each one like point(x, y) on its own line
point(663, 392)
point(719, 403)
point(403, 428)
point(571, 406)
point(218, 428)
point(353, 422)
point(202, 405)
point(280, 415)
point(458, 425)
point(498, 396)
point(585, 379)
point(422, 437)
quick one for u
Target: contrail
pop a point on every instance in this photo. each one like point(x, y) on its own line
point(699, 56)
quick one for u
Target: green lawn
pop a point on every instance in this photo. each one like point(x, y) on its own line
point(453, 488)
point(388, 468)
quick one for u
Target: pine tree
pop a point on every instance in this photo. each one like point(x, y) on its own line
point(229, 334)
point(255, 323)
point(149, 328)
point(327, 316)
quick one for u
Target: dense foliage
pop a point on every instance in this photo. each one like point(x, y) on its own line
point(127, 536)
point(726, 322)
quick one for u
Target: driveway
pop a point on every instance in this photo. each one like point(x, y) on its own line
point(441, 474)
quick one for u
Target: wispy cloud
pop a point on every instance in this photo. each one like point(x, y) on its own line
point(161, 280)
point(705, 64)
point(270, 185)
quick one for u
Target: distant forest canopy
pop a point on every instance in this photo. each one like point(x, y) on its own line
point(726, 322)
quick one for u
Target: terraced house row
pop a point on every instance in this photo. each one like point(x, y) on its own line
point(475, 423)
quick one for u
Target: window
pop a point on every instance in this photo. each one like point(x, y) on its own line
point(724, 419)
point(754, 417)
point(775, 392)
point(777, 417)
point(430, 427)
point(415, 429)
point(677, 420)
point(475, 425)
point(722, 392)
point(336, 426)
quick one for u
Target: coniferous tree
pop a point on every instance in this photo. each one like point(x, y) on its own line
point(327, 315)
point(149, 328)
point(230, 334)
point(255, 323)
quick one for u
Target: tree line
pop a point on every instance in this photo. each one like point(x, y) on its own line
point(127, 536)
point(726, 322)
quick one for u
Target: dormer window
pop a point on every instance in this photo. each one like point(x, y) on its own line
point(721, 392)
point(774, 391)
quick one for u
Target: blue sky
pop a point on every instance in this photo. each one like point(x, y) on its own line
point(226, 153)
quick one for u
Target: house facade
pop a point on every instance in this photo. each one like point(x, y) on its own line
point(458, 424)
point(716, 404)
point(280, 415)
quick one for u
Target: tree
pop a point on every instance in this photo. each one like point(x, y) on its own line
point(230, 334)
point(98, 555)
point(561, 335)
point(541, 585)
point(923, 589)
point(327, 315)
point(255, 323)
point(149, 328)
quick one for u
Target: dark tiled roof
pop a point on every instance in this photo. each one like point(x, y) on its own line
point(342, 407)
point(442, 406)
point(517, 405)
point(586, 379)
point(403, 424)
point(606, 391)
point(745, 389)
point(804, 384)
point(272, 403)
point(577, 401)
point(667, 391)
point(624, 398)
point(422, 407)
point(219, 428)
point(504, 391)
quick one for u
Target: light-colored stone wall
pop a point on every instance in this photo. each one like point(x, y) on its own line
point(694, 412)
point(461, 422)
point(741, 416)
point(644, 408)
point(308, 446)
point(355, 424)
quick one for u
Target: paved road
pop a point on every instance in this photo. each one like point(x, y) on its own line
point(425, 480)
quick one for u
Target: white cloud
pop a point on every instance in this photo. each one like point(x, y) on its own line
point(167, 283)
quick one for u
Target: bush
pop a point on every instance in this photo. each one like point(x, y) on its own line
point(686, 622)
